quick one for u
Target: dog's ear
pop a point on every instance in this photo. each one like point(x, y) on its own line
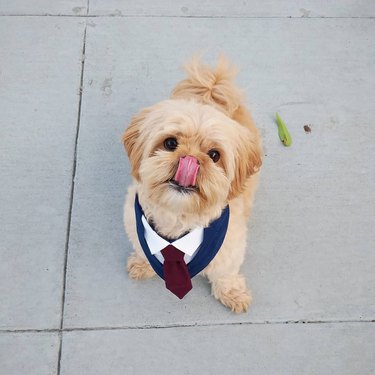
point(133, 144)
point(248, 160)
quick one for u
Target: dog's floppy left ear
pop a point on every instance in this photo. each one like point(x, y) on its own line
point(248, 161)
point(133, 144)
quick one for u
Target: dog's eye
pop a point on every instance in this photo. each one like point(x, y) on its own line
point(170, 144)
point(214, 155)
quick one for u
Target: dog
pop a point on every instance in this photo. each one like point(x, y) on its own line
point(192, 157)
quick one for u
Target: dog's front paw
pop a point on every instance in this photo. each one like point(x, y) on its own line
point(139, 268)
point(232, 292)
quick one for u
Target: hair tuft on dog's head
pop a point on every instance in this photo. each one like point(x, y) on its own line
point(214, 86)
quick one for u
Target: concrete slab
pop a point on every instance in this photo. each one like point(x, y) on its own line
point(29, 353)
point(311, 238)
point(222, 8)
point(44, 7)
point(258, 349)
point(40, 65)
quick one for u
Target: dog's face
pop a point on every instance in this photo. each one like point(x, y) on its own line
point(190, 157)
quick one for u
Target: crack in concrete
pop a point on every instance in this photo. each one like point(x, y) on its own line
point(189, 325)
point(115, 15)
point(74, 169)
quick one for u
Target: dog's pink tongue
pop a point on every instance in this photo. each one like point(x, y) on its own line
point(187, 171)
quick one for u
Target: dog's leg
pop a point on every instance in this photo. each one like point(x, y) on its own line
point(138, 266)
point(227, 283)
point(228, 287)
point(232, 292)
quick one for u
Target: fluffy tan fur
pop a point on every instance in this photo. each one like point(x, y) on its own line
point(206, 111)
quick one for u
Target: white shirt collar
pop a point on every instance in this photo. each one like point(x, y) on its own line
point(188, 244)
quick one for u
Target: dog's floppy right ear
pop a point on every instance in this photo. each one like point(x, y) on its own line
point(132, 143)
point(248, 160)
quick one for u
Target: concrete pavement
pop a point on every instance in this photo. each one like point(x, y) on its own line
point(72, 73)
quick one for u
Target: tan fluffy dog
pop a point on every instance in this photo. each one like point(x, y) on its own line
point(207, 119)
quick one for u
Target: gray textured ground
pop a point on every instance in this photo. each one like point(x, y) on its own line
point(66, 303)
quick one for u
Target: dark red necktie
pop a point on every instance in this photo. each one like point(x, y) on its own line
point(176, 274)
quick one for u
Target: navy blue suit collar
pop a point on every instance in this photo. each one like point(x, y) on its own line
point(213, 238)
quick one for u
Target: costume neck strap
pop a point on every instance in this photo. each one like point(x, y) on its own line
point(213, 238)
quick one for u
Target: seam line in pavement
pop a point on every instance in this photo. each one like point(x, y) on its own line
point(74, 169)
point(145, 327)
point(181, 16)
